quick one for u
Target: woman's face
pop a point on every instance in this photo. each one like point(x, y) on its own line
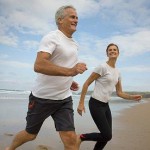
point(112, 52)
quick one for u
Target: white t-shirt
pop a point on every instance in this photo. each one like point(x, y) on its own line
point(105, 84)
point(64, 53)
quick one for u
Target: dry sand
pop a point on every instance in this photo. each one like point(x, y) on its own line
point(131, 131)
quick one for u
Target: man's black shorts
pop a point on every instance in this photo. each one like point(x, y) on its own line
point(60, 110)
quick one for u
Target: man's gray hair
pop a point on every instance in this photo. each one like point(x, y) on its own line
point(60, 12)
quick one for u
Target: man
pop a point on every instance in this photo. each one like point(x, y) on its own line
point(56, 64)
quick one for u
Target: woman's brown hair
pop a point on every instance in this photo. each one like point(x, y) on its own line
point(112, 44)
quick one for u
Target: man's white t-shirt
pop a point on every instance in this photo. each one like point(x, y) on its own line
point(64, 52)
point(105, 84)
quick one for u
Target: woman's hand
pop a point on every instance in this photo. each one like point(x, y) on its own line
point(81, 108)
point(136, 97)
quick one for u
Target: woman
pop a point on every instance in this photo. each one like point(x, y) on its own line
point(106, 78)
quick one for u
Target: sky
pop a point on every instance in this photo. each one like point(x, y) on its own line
point(124, 22)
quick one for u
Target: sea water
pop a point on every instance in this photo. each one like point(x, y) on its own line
point(20, 98)
point(16, 102)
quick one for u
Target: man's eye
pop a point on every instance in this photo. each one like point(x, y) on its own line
point(74, 17)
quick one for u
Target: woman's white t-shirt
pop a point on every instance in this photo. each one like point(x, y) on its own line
point(64, 52)
point(105, 84)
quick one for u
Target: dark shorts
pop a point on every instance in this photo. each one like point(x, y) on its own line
point(60, 110)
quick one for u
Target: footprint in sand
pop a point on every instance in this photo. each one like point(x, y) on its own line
point(43, 147)
point(8, 134)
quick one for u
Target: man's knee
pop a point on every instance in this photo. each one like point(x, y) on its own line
point(69, 138)
point(30, 136)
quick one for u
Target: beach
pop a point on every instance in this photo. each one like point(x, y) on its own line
point(131, 128)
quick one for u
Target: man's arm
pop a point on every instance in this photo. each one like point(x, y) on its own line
point(45, 66)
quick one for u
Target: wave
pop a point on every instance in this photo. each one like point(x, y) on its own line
point(5, 91)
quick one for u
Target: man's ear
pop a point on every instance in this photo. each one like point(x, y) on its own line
point(60, 20)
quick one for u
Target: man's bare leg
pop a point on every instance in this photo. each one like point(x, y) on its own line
point(69, 139)
point(21, 138)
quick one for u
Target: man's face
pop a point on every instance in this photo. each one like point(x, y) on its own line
point(70, 21)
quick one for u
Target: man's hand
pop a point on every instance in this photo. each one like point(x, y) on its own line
point(79, 68)
point(74, 86)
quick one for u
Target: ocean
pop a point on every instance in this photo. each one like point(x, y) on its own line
point(16, 102)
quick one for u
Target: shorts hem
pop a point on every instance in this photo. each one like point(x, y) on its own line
point(30, 132)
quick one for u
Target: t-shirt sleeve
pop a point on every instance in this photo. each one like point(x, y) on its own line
point(47, 44)
point(101, 70)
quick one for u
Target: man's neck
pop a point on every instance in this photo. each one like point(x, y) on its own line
point(68, 34)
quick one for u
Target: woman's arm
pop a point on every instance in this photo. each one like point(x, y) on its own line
point(124, 95)
point(87, 83)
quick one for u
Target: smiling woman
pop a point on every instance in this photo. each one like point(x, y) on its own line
point(106, 77)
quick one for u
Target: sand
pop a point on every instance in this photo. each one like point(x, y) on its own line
point(131, 131)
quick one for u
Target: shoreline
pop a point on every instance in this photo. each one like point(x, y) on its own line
point(131, 131)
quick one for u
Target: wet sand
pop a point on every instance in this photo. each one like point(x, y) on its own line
point(131, 131)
